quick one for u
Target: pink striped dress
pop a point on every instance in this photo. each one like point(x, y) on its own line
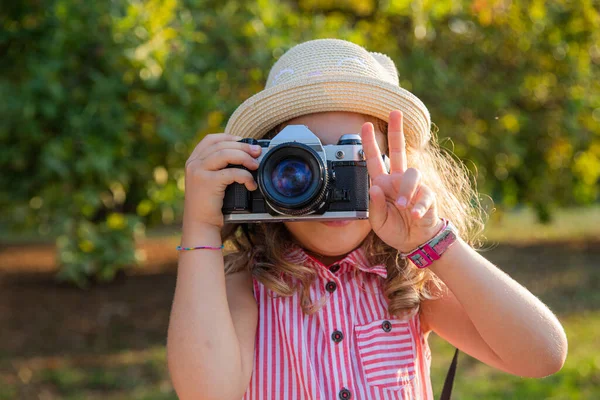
point(352, 348)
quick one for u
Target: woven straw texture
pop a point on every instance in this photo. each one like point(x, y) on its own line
point(330, 75)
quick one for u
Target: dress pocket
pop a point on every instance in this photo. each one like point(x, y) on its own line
point(387, 353)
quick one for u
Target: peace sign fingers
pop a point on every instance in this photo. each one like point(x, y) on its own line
point(396, 143)
point(375, 165)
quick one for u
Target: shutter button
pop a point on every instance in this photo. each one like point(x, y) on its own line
point(337, 336)
point(387, 326)
point(331, 286)
point(334, 268)
point(345, 394)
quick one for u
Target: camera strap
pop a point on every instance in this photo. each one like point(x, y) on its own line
point(447, 390)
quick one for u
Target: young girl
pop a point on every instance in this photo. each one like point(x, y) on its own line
point(342, 309)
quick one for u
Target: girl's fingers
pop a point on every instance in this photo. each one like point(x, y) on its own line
point(396, 143)
point(228, 176)
point(424, 201)
point(210, 140)
point(377, 207)
point(253, 150)
point(375, 165)
point(406, 185)
point(222, 158)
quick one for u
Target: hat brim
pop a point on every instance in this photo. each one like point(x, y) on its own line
point(270, 107)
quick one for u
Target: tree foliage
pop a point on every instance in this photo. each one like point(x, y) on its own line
point(103, 101)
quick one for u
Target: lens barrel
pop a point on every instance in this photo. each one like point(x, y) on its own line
point(293, 179)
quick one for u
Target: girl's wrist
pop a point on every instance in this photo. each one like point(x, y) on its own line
point(430, 234)
point(200, 234)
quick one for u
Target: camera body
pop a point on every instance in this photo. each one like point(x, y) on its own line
point(299, 179)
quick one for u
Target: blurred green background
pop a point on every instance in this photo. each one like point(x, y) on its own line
point(102, 102)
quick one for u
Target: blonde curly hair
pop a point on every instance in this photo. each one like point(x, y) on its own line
point(261, 248)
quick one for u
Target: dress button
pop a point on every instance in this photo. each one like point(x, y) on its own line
point(345, 394)
point(387, 326)
point(331, 286)
point(337, 336)
point(334, 268)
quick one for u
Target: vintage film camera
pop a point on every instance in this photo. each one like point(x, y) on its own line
point(301, 179)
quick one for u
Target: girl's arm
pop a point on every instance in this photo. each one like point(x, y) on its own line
point(210, 342)
point(212, 327)
point(493, 318)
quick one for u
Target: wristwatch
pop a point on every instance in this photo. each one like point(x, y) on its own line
point(431, 250)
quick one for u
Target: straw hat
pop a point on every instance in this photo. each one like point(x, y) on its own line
point(330, 75)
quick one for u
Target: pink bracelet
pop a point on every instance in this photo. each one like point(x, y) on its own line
point(431, 250)
point(200, 247)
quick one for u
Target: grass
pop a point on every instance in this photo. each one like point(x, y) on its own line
point(121, 375)
point(579, 378)
point(520, 226)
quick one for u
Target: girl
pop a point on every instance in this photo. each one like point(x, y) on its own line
point(342, 309)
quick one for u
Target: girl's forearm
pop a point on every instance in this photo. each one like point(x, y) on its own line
point(514, 323)
point(202, 347)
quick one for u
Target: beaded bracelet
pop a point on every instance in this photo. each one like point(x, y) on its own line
point(200, 247)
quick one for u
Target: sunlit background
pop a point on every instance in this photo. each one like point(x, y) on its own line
point(102, 102)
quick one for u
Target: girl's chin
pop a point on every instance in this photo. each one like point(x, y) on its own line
point(330, 237)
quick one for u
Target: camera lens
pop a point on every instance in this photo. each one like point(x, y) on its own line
point(291, 177)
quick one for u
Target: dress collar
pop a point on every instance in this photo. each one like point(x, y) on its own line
point(355, 259)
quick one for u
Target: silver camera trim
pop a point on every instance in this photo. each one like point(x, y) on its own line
point(266, 217)
point(301, 134)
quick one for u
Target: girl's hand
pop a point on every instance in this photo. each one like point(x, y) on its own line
point(402, 225)
point(206, 176)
